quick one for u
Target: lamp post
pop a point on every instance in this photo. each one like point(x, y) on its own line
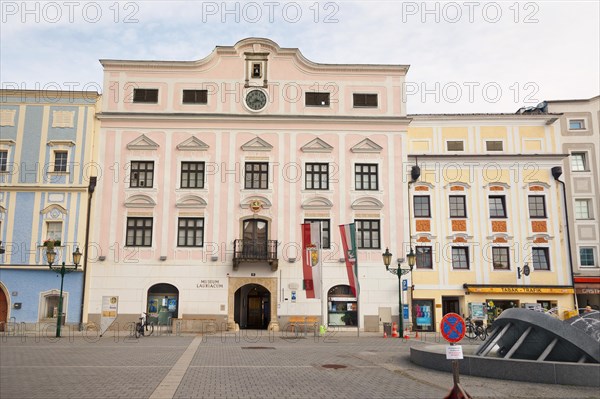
point(387, 260)
point(64, 269)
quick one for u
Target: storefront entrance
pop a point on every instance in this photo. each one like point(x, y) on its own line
point(252, 307)
point(342, 306)
point(162, 304)
point(3, 309)
point(450, 305)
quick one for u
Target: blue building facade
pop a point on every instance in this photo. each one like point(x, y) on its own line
point(46, 161)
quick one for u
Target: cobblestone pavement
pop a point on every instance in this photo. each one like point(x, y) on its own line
point(238, 366)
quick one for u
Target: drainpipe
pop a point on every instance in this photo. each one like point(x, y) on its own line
point(556, 173)
point(91, 188)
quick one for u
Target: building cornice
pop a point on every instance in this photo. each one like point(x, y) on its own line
point(487, 156)
point(426, 119)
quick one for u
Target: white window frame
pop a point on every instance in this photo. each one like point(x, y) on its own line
point(594, 254)
point(587, 201)
point(584, 154)
point(583, 124)
point(49, 231)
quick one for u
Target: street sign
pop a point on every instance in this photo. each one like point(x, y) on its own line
point(452, 327)
point(405, 312)
point(404, 285)
point(454, 352)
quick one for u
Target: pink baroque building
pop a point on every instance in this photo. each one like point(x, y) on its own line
point(211, 166)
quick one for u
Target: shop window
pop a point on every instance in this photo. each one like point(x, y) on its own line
point(423, 314)
point(342, 306)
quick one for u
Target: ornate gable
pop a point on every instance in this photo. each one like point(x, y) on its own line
point(192, 144)
point(257, 144)
point(142, 143)
point(316, 145)
point(367, 145)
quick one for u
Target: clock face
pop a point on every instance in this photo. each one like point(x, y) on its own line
point(256, 100)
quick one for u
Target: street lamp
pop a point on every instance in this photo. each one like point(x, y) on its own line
point(387, 260)
point(64, 269)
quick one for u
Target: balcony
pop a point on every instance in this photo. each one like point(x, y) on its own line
point(253, 251)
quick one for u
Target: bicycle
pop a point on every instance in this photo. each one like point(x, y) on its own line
point(143, 328)
point(474, 330)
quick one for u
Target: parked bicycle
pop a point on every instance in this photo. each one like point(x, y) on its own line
point(143, 328)
point(475, 329)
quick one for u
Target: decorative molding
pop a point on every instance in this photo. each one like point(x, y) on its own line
point(257, 144)
point(367, 203)
point(500, 238)
point(536, 186)
point(368, 146)
point(536, 238)
point(458, 186)
point(51, 211)
point(191, 201)
point(7, 117)
point(139, 201)
point(316, 145)
point(61, 143)
point(7, 143)
point(246, 202)
point(142, 143)
point(63, 119)
point(317, 203)
point(496, 186)
point(422, 186)
point(193, 144)
point(459, 237)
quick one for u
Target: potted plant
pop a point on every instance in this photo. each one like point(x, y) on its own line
point(49, 244)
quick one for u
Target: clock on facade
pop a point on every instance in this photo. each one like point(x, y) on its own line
point(256, 99)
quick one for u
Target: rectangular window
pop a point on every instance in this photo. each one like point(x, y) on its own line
point(142, 174)
point(537, 206)
point(460, 257)
point(578, 162)
point(365, 100)
point(54, 231)
point(367, 234)
point(497, 204)
point(325, 231)
point(190, 232)
point(424, 258)
point(317, 176)
point(60, 161)
point(256, 73)
point(540, 258)
point(139, 232)
point(317, 99)
point(494, 145)
point(576, 124)
point(500, 258)
point(458, 207)
point(582, 209)
point(421, 206)
point(455, 145)
point(586, 257)
point(3, 161)
point(257, 175)
point(145, 95)
point(192, 175)
point(195, 96)
point(365, 177)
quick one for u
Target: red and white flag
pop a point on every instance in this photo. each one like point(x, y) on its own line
point(311, 259)
point(348, 234)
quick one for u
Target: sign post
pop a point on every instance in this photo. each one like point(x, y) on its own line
point(453, 330)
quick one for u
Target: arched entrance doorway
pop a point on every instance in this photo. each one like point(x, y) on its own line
point(252, 307)
point(3, 309)
point(162, 304)
point(342, 306)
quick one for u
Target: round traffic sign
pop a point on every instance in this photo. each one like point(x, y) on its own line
point(452, 327)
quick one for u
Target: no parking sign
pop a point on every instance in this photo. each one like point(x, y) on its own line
point(452, 327)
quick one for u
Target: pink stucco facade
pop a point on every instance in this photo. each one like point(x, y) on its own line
point(226, 134)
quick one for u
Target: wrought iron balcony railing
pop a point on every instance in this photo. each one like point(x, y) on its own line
point(255, 251)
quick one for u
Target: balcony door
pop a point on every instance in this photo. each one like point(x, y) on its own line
point(255, 238)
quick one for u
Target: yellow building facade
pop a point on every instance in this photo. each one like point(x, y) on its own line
point(486, 217)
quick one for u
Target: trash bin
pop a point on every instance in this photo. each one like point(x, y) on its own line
point(387, 329)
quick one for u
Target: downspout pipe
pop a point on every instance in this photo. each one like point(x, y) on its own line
point(556, 173)
point(91, 188)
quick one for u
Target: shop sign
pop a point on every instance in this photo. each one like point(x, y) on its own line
point(209, 284)
point(520, 290)
point(589, 291)
point(110, 306)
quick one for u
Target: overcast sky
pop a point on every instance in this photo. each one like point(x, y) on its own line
point(464, 56)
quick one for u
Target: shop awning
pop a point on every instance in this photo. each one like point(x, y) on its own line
point(518, 289)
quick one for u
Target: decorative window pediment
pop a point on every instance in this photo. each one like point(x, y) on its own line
point(61, 143)
point(367, 145)
point(367, 203)
point(316, 145)
point(192, 144)
point(247, 202)
point(536, 186)
point(140, 201)
point(497, 186)
point(257, 144)
point(191, 201)
point(142, 143)
point(54, 211)
point(317, 203)
point(458, 186)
